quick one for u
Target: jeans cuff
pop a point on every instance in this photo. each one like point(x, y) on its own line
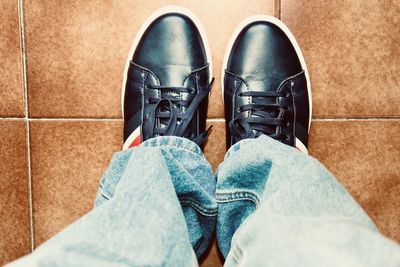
point(271, 144)
point(173, 141)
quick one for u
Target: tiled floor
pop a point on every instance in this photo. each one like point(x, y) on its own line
point(60, 122)
point(12, 90)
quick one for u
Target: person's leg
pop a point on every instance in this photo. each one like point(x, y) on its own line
point(138, 218)
point(283, 208)
point(158, 199)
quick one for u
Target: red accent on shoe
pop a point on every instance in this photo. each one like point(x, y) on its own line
point(136, 142)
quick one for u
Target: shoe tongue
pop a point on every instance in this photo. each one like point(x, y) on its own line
point(172, 75)
point(267, 84)
point(263, 84)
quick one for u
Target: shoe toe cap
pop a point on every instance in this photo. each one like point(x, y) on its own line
point(262, 51)
point(172, 39)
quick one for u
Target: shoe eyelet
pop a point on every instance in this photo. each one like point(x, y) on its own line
point(287, 94)
point(288, 124)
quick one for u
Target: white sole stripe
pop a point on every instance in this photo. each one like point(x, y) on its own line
point(300, 146)
point(131, 138)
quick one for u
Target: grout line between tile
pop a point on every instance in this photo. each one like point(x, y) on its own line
point(23, 55)
point(26, 119)
point(74, 119)
point(28, 142)
point(13, 119)
point(278, 9)
point(216, 120)
point(357, 119)
point(393, 118)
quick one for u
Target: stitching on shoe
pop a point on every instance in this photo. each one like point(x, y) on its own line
point(144, 78)
point(294, 110)
point(237, 81)
point(197, 111)
point(196, 71)
point(149, 72)
point(296, 94)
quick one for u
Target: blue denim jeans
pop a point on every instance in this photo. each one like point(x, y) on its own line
point(158, 205)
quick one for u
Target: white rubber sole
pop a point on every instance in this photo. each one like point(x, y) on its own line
point(288, 33)
point(160, 12)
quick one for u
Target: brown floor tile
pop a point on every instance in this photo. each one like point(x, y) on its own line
point(352, 51)
point(215, 148)
point(14, 192)
point(364, 156)
point(76, 50)
point(215, 152)
point(12, 90)
point(214, 258)
point(68, 160)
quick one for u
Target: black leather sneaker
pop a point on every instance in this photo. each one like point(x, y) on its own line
point(266, 85)
point(167, 79)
